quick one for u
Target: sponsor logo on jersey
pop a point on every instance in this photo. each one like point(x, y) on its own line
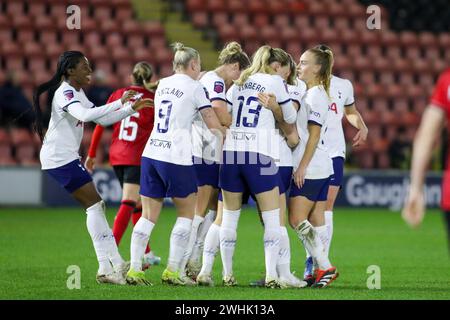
point(161, 143)
point(68, 94)
point(218, 87)
point(315, 114)
point(243, 136)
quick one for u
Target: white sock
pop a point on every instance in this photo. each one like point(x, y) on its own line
point(201, 234)
point(310, 239)
point(329, 224)
point(210, 249)
point(228, 236)
point(192, 238)
point(139, 239)
point(284, 254)
point(179, 239)
point(98, 230)
point(271, 241)
point(322, 232)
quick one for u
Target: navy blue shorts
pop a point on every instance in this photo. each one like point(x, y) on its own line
point(71, 176)
point(285, 178)
point(284, 183)
point(338, 176)
point(313, 189)
point(161, 179)
point(247, 171)
point(207, 172)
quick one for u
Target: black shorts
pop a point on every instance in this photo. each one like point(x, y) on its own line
point(128, 174)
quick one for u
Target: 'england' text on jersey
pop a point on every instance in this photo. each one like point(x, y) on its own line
point(252, 86)
point(173, 91)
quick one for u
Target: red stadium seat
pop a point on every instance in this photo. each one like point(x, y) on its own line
point(240, 19)
point(26, 155)
point(195, 5)
point(70, 37)
point(153, 28)
point(15, 8)
point(130, 27)
point(288, 35)
point(408, 38)
point(219, 19)
point(135, 41)
point(228, 33)
point(53, 51)
point(282, 21)
point(256, 7)
point(200, 19)
point(248, 32)
point(103, 12)
point(124, 13)
point(109, 26)
point(321, 22)
point(260, 20)
point(302, 22)
point(114, 41)
point(236, 6)
point(216, 6)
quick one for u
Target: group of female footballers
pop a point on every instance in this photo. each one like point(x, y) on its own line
point(266, 128)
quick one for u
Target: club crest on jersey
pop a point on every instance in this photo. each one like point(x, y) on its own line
point(218, 87)
point(68, 94)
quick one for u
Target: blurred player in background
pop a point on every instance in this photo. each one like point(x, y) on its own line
point(342, 102)
point(128, 141)
point(167, 168)
point(207, 149)
point(250, 165)
point(433, 121)
point(312, 163)
point(59, 154)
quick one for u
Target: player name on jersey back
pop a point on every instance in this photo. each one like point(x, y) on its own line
point(178, 99)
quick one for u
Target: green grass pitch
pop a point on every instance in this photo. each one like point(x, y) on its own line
point(38, 245)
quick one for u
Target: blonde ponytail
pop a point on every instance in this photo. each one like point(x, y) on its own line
point(233, 53)
point(262, 59)
point(183, 55)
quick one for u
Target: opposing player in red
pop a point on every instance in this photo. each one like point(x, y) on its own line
point(430, 128)
point(128, 141)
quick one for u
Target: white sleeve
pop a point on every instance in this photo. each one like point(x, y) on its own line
point(216, 90)
point(349, 99)
point(284, 100)
point(319, 109)
point(230, 98)
point(115, 116)
point(201, 98)
point(80, 112)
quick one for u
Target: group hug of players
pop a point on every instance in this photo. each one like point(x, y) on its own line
point(267, 128)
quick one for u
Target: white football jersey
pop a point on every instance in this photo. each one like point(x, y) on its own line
point(296, 92)
point(253, 126)
point(178, 99)
point(341, 92)
point(63, 138)
point(205, 144)
point(314, 108)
